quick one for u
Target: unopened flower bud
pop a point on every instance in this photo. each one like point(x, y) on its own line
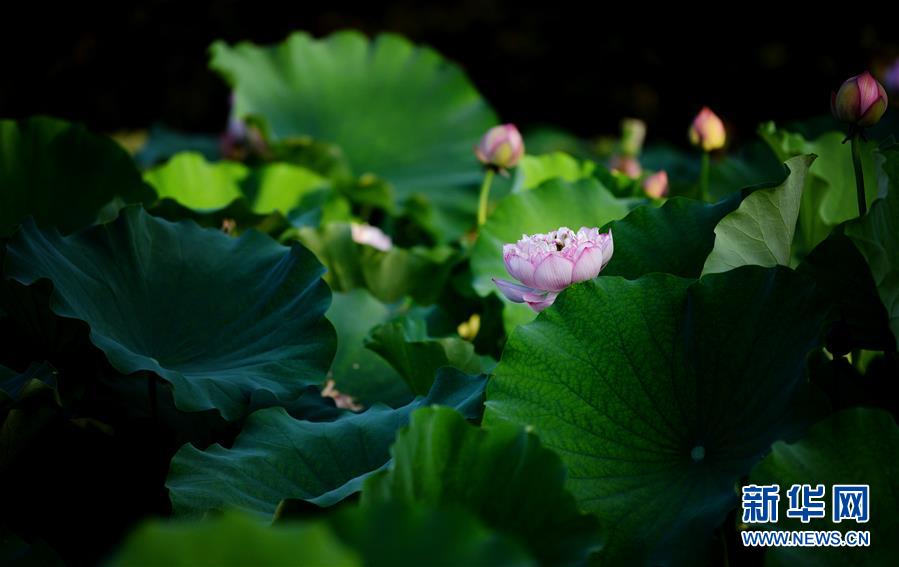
point(633, 133)
point(501, 147)
point(707, 131)
point(656, 185)
point(370, 236)
point(629, 166)
point(861, 101)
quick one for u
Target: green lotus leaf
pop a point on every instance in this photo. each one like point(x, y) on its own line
point(854, 446)
point(233, 540)
point(61, 175)
point(397, 110)
point(760, 232)
point(829, 197)
point(501, 474)
point(876, 235)
point(356, 370)
point(216, 317)
point(391, 534)
point(658, 394)
point(208, 186)
point(277, 457)
point(405, 344)
point(534, 170)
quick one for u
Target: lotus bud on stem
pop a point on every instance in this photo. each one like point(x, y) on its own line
point(500, 149)
point(859, 102)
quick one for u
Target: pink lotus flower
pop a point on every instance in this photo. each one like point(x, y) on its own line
point(861, 100)
point(656, 185)
point(370, 236)
point(627, 165)
point(501, 147)
point(548, 263)
point(707, 130)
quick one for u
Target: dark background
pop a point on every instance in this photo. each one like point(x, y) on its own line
point(127, 66)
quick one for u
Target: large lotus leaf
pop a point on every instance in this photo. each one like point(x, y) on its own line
point(877, 238)
point(356, 370)
point(390, 535)
point(659, 393)
point(405, 344)
point(232, 540)
point(534, 170)
point(207, 186)
point(216, 317)
point(855, 446)
point(277, 457)
point(61, 174)
point(760, 232)
point(397, 110)
point(830, 196)
point(501, 474)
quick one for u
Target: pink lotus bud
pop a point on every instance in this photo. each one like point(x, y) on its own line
point(656, 185)
point(501, 147)
point(633, 133)
point(627, 165)
point(861, 101)
point(707, 131)
point(371, 236)
point(548, 263)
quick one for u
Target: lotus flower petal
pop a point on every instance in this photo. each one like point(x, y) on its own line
point(553, 273)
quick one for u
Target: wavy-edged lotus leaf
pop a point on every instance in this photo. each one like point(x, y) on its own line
point(61, 174)
point(854, 446)
point(405, 344)
point(389, 275)
point(357, 371)
point(876, 235)
point(277, 457)
point(829, 197)
point(760, 232)
point(659, 393)
point(397, 110)
point(534, 170)
point(208, 186)
point(235, 540)
point(216, 317)
point(501, 474)
point(392, 534)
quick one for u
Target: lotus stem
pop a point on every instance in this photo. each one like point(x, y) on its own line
point(485, 196)
point(704, 178)
point(859, 173)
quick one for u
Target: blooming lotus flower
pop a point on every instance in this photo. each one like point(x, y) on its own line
point(656, 185)
point(370, 236)
point(861, 101)
point(545, 264)
point(341, 400)
point(501, 147)
point(707, 131)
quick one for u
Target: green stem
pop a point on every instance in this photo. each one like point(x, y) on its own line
point(859, 174)
point(485, 197)
point(704, 178)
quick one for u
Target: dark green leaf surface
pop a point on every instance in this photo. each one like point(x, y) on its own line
point(277, 457)
point(877, 238)
point(391, 535)
point(233, 540)
point(356, 370)
point(501, 474)
point(214, 316)
point(760, 232)
point(397, 110)
point(405, 344)
point(61, 175)
point(855, 446)
point(659, 393)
